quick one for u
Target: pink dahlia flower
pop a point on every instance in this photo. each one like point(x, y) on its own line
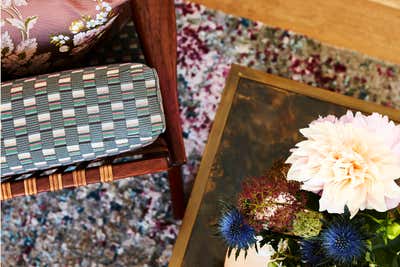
point(353, 160)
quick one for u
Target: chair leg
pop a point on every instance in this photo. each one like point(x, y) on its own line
point(177, 194)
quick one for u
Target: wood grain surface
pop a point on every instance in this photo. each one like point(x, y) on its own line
point(155, 23)
point(257, 123)
point(371, 27)
point(389, 3)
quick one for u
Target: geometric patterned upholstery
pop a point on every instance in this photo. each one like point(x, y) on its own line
point(78, 115)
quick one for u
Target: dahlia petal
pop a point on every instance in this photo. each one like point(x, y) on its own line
point(392, 195)
point(347, 118)
point(376, 197)
point(330, 201)
point(357, 200)
point(329, 118)
point(392, 203)
point(313, 185)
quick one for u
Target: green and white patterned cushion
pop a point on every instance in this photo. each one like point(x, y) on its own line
point(78, 115)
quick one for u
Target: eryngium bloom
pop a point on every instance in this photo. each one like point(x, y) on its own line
point(343, 242)
point(312, 251)
point(235, 231)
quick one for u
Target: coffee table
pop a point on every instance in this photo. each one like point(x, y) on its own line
point(257, 122)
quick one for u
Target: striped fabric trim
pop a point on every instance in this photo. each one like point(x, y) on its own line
point(79, 177)
point(30, 186)
point(55, 181)
point(6, 191)
point(106, 173)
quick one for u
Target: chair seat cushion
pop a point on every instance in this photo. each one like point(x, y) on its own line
point(78, 115)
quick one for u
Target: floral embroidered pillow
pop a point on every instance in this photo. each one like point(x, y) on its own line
point(38, 36)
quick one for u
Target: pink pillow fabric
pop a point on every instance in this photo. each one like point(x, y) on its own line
point(39, 34)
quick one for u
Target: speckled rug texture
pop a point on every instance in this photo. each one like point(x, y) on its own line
point(129, 223)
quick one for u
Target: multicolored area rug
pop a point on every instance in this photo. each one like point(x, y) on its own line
point(129, 223)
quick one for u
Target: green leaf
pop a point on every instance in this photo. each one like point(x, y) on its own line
point(395, 262)
point(393, 230)
point(386, 255)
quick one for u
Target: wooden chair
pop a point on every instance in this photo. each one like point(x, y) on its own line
point(156, 26)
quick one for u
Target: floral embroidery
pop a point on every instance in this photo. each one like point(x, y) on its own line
point(85, 30)
point(21, 58)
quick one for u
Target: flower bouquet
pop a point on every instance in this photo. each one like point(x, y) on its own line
point(333, 202)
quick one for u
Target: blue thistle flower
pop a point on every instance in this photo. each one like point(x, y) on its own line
point(343, 242)
point(312, 251)
point(235, 231)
